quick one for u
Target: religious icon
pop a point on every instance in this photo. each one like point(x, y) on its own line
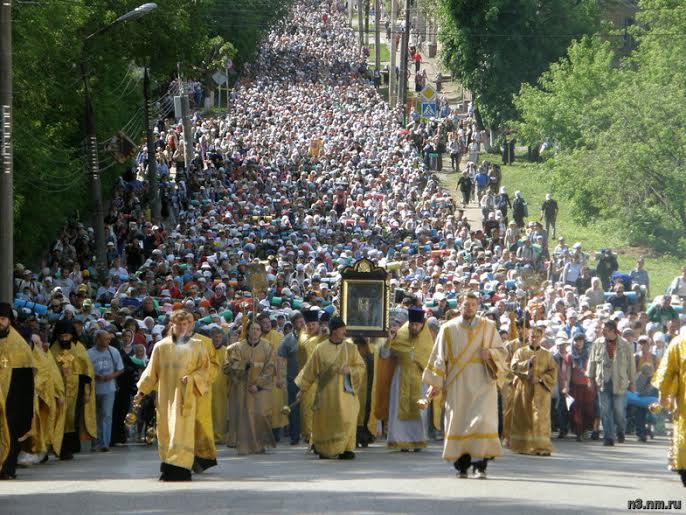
point(365, 299)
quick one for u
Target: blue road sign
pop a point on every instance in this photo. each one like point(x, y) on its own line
point(429, 110)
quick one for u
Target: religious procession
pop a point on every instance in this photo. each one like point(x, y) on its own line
point(313, 283)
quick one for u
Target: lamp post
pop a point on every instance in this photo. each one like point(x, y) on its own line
point(92, 141)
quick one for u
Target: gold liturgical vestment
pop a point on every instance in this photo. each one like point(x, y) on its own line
point(507, 388)
point(335, 405)
point(14, 353)
point(530, 431)
point(250, 414)
point(204, 430)
point(374, 346)
point(279, 395)
point(176, 402)
point(220, 401)
point(670, 380)
point(406, 426)
point(306, 346)
point(72, 363)
point(469, 386)
point(48, 419)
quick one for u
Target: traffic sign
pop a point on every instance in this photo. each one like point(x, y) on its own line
point(219, 78)
point(428, 94)
point(429, 110)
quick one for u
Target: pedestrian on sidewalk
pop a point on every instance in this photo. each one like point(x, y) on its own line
point(455, 150)
point(417, 58)
point(464, 184)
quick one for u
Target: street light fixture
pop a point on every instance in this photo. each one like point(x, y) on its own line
point(92, 141)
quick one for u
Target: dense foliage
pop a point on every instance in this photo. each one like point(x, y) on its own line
point(617, 124)
point(495, 46)
point(50, 178)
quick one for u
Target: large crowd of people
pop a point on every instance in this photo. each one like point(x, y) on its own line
point(309, 172)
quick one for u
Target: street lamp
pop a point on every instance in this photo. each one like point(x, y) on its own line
point(92, 141)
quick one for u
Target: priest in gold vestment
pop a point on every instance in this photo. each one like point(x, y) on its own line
point(334, 371)
point(250, 365)
point(466, 364)
point(205, 450)
point(179, 371)
point(78, 379)
point(220, 390)
point(409, 353)
point(279, 394)
point(535, 373)
point(307, 343)
point(507, 388)
point(48, 419)
point(17, 370)
point(670, 380)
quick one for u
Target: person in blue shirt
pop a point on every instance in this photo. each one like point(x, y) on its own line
point(481, 179)
point(108, 365)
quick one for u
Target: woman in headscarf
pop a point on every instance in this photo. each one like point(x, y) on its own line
point(581, 388)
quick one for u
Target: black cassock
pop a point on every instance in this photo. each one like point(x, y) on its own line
point(19, 413)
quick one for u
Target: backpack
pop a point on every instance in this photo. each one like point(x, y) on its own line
point(501, 203)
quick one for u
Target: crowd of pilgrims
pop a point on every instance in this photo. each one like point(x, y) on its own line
point(309, 172)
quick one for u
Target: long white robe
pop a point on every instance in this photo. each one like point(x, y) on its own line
point(469, 386)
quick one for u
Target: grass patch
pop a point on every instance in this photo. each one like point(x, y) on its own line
point(530, 179)
point(385, 53)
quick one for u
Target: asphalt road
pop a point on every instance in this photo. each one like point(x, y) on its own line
point(579, 478)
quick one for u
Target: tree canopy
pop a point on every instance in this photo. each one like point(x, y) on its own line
point(495, 46)
point(51, 183)
point(617, 124)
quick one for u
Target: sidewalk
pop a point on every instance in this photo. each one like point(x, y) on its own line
point(457, 98)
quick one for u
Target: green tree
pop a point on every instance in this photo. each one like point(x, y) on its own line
point(622, 153)
point(51, 183)
point(568, 105)
point(494, 46)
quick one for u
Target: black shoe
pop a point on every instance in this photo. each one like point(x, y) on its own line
point(66, 457)
point(347, 455)
point(561, 436)
point(609, 443)
point(404, 450)
point(642, 439)
point(295, 442)
point(595, 435)
point(104, 449)
point(6, 477)
point(45, 458)
point(620, 438)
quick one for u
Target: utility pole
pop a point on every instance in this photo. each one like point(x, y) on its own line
point(350, 10)
point(392, 78)
point(377, 34)
point(6, 164)
point(94, 171)
point(366, 22)
point(360, 22)
point(404, 49)
point(153, 179)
